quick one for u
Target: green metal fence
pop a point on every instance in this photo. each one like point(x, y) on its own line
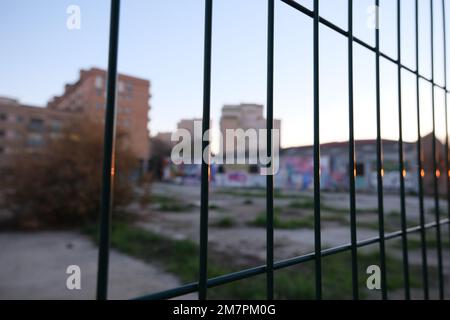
point(203, 283)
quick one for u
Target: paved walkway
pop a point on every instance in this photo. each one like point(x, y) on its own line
point(33, 266)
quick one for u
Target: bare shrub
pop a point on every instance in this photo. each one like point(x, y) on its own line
point(59, 185)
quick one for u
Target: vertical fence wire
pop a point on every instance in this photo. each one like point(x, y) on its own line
point(380, 172)
point(317, 222)
point(269, 185)
point(447, 167)
point(420, 168)
point(435, 165)
point(108, 154)
point(205, 168)
point(402, 170)
point(352, 157)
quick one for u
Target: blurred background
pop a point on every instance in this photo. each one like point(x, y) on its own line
point(53, 82)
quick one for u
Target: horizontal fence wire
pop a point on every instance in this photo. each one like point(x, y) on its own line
point(339, 30)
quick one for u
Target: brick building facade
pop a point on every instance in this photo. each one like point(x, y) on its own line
point(23, 126)
point(88, 96)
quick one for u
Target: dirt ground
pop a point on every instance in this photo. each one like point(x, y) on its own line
point(249, 241)
point(33, 266)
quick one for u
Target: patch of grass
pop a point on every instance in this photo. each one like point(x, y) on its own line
point(159, 198)
point(174, 207)
point(177, 256)
point(280, 223)
point(302, 204)
point(225, 222)
point(170, 204)
point(347, 210)
point(416, 244)
point(394, 214)
point(243, 193)
point(335, 218)
point(180, 257)
point(261, 193)
point(216, 207)
point(309, 204)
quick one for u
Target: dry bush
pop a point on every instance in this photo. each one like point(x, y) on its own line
point(60, 184)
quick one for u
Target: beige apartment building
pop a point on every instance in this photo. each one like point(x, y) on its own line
point(243, 116)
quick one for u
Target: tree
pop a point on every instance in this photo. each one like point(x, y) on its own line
point(59, 185)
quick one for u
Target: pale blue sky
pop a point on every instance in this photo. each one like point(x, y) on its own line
point(162, 41)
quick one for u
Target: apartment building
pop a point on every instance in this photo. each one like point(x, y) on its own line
point(24, 127)
point(88, 96)
point(29, 127)
point(243, 116)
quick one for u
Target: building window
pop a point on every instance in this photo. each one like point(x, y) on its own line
point(36, 124)
point(121, 86)
point(125, 110)
point(2, 133)
point(129, 89)
point(19, 119)
point(99, 82)
point(56, 126)
point(359, 169)
point(35, 140)
point(3, 117)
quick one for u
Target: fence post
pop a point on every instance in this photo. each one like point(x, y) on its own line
point(420, 172)
point(108, 154)
point(401, 160)
point(203, 272)
point(317, 220)
point(352, 157)
point(435, 166)
point(380, 157)
point(269, 186)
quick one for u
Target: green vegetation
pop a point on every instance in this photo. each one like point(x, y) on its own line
point(216, 207)
point(302, 204)
point(261, 193)
point(282, 223)
point(170, 204)
point(336, 218)
point(416, 244)
point(309, 204)
point(305, 222)
point(225, 222)
point(394, 214)
point(180, 257)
